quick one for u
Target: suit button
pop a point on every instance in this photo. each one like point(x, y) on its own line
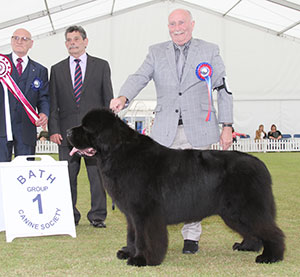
point(176, 111)
point(180, 93)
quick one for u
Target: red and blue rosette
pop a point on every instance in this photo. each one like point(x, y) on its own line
point(204, 72)
point(8, 82)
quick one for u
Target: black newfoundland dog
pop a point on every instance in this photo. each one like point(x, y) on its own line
point(155, 186)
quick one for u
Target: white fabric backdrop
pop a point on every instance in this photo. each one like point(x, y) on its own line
point(263, 70)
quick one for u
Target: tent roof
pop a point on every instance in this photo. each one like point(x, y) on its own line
point(43, 18)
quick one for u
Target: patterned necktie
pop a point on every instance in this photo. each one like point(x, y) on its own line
point(77, 81)
point(180, 63)
point(19, 66)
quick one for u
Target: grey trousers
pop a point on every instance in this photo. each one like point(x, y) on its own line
point(190, 231)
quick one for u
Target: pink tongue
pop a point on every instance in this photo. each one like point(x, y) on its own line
point(87, 152)
point(73, 151)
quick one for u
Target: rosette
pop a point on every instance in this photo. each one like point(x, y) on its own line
point(204, 72)
point(9, 83)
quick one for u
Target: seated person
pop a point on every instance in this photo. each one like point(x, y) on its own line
point(235, 134)
point(274, 133)
point(260, 133)
point(43, 136)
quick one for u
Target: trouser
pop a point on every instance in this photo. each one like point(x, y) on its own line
point(19, 147)
point(98, 209)
point(190, 231)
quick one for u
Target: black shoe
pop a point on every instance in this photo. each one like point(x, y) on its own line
point(190, 247)
point(98, 224)
point(76, 223)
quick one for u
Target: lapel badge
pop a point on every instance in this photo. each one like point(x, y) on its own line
point(36, 84)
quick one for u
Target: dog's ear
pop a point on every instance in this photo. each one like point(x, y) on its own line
point(102, 129)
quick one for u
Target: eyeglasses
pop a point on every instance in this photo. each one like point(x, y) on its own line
point(23, 39)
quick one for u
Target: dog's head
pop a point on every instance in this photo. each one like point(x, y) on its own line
point(100, 130)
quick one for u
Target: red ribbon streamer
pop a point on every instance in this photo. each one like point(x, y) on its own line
point(15, 90)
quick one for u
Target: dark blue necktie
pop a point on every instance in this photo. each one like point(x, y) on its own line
point(77, 81)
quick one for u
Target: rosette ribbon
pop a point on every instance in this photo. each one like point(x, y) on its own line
point(9, 84)
point(204, 72)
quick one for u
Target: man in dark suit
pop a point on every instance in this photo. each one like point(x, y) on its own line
point(78, 84)
point(32, 79)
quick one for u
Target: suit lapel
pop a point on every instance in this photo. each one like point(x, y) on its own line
point(170, 53)
point(189, 69)
point(67, 76)
point(31, 73)
point(90, 67)
point(14, 73)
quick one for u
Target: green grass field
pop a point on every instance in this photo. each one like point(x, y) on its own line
point(93, 252)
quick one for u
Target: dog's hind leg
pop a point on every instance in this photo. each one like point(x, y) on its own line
point(273, 242)
point(263, 234)
point(129, 250)
point(248, 244)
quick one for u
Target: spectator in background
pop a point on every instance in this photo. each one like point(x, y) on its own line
point(260, 133)
point(235, 134)
point(274, 133)
point(43, 135)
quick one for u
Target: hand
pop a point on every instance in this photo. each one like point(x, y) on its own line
point(42, 121)
point(117, 104)
point(226, 138)
point(56, 138)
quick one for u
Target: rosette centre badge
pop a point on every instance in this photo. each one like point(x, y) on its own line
point(5, 66)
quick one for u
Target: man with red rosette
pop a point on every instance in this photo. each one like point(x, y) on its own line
point(32, 79)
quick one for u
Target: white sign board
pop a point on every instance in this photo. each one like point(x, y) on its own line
point(36, 198)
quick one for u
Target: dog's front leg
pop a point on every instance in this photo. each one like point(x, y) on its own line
point(129, 250)
point(139, 258)
point(151, 237)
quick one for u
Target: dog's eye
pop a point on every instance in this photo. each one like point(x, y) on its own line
point(87, 129)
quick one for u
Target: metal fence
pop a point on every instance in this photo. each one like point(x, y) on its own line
point(265, 145)
point(46, 147)
point(243, 145)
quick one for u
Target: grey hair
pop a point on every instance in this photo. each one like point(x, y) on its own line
point(75, 28)
point(189, 13)
point(191, 16)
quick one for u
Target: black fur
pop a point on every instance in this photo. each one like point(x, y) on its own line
point(155, 186)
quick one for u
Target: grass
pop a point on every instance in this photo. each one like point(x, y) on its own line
point(93, 252)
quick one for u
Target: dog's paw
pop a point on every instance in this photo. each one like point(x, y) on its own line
point(248, 245)
point(123, 254)
point(264, 259)
point(137, 261)
point(236, 246)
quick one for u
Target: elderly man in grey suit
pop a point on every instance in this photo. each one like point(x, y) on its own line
point(185, 71)
point(78, 84)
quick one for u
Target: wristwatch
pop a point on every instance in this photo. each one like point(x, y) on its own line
point(226, 125)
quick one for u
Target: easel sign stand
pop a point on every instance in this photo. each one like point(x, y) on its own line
point(35, 198)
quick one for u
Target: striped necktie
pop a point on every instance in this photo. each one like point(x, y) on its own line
point(77, 81)
point(19, 66)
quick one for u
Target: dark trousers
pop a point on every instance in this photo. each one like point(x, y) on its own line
point(19, 147)
point(98, 209)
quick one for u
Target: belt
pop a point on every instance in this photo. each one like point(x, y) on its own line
point(180, 122)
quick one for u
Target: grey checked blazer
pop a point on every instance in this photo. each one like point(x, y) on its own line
point(190, 97)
